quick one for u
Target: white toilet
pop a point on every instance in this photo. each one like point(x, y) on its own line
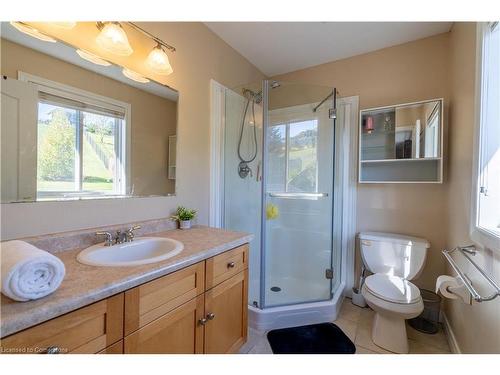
point(393, 259)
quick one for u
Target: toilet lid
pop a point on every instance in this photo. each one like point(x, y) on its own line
point(392, 288)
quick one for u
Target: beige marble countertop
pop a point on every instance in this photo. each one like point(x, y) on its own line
point(84, 284)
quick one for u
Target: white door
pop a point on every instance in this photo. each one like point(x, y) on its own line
point(18, 140)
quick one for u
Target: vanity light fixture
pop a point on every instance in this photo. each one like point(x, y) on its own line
point(134, 76)
point(63, 25)
point(113, 38)
point(158, 62)
point(86, 55)
point(31, 31)
point(157, 59)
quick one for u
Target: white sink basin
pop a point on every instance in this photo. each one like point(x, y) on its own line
point(142, 250)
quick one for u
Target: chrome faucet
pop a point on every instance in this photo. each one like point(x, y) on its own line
point(119, 237)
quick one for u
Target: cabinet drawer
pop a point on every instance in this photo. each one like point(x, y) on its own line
point(226, 265)
point(87, 330)
point(149, 301)
point(177, 332)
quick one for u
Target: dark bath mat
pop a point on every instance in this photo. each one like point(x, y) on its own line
point(323, 338)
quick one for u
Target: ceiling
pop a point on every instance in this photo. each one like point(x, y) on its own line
point(282, 47)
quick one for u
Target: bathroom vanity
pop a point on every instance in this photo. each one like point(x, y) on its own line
point(195, 302)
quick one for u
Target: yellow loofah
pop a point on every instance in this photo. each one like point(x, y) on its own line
point(272, 211)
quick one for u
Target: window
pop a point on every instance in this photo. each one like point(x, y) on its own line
point(81, 143)
point(293, 159)
point(432, 134)
point(486, 200)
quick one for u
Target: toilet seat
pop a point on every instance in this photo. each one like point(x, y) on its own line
point(392, 289)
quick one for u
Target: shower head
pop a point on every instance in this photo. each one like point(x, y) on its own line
point(251, 95)
point(275, 84)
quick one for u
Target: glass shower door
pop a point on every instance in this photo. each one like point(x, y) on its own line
point(298, 194)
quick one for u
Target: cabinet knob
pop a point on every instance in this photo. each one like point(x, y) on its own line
point(53, 350)
point(202, 321)
point(231, 265)
point(210, 316)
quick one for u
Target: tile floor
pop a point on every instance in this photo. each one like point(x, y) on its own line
point(356, 324)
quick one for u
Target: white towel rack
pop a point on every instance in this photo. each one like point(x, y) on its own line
point(466, 252)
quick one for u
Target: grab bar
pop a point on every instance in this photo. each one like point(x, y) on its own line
point(465, 251)
point(299, 195)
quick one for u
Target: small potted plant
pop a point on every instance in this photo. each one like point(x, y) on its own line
point(184, 216)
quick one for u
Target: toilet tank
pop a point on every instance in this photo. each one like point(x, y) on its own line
point(393, 254)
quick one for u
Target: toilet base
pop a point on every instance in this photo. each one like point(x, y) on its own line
point(389, 332)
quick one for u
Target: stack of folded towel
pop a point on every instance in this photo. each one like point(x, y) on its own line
point(27, 272)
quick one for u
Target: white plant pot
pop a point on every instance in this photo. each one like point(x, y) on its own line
point(184, 224)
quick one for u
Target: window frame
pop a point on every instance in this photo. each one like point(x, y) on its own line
point(480, 236)
point(287, 125)
point(124, 136)
point(433, 122)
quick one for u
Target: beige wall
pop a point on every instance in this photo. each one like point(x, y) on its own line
point(476, 327)
point(409, 72)
point(153, 118)
point(200, 56)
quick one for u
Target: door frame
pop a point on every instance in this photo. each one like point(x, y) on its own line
point(349, 162)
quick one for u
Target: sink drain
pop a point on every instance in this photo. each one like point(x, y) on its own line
point(275, 289)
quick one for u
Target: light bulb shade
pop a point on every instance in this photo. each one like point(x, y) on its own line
point(134, 76)
point(158, 62)
point(369, 124)
point(86, 55)
point(113, 38)
point(63, 25)
point(31, 31)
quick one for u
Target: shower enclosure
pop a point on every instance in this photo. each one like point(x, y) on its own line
point(281, 182)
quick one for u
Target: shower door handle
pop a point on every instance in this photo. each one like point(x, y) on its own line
point(299, 195)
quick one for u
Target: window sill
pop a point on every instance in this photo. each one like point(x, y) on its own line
point(483, 237)
point(73, 197)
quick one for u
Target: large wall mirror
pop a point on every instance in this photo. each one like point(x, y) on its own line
point(72, 129)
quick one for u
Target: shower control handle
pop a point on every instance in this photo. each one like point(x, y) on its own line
point(231, 265)
point(210, 316)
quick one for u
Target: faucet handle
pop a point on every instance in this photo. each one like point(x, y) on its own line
point(130, 232)
point(109, 238)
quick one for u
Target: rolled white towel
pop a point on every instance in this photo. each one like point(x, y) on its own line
point(27, 272)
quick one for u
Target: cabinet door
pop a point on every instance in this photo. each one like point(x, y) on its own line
point(116, 348)
point(86, 330)
point(177, 332)
point(226, 314)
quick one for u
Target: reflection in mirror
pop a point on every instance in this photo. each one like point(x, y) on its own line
point(71, 129)
point(402, 143)
point(402, 132)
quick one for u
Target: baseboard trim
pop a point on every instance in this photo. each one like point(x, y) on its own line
point(450, 336)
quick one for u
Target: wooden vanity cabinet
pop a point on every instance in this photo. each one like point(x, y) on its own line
point(215, 321)
point(198, 309)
